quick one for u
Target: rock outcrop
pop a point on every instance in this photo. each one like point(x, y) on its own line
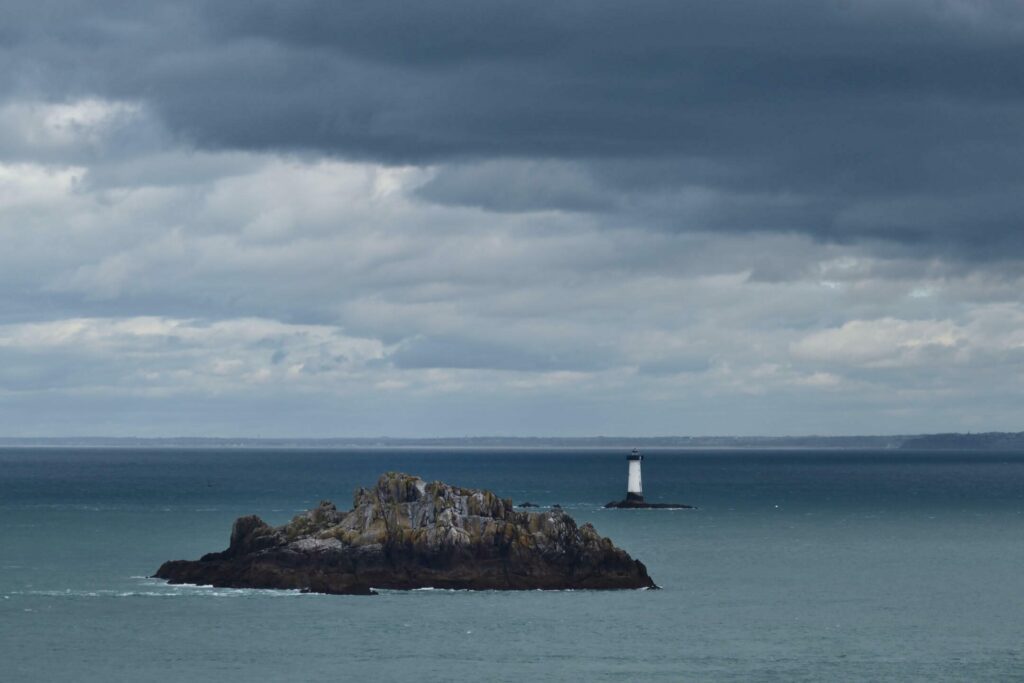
point(405, 533)
point(628, 504)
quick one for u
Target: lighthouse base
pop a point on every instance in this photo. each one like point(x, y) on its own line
point(641, 505)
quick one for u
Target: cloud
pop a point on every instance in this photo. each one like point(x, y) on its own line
point(820, 118)
point(888, 341)
point(148, 355)
point(510, 185)
point(990, 334)
point(61, 127)
point(689, 218)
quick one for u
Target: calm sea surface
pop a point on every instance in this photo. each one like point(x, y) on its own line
point(799, 565)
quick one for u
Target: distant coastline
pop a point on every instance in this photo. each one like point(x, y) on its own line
point(986, 441)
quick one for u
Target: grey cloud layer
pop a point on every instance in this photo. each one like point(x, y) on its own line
point(325, 296)
point(893, 121)
point(699, 217)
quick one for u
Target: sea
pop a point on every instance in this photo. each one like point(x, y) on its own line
point(801, 565)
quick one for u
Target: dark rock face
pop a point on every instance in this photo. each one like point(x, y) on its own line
point(405, 533)
point(633, 504)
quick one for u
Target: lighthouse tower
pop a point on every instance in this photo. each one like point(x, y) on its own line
point(634, 486)
point(635, 490)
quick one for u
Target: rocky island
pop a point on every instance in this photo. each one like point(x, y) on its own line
point(406, 533)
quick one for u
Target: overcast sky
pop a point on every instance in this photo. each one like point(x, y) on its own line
point(319, 218)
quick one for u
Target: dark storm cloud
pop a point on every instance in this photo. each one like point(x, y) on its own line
point(892, 121)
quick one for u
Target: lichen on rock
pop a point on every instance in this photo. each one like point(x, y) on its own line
point(406, 533)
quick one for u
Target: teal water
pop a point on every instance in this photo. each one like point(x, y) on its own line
point(798, 566)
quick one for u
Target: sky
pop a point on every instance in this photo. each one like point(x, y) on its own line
point(321, 218)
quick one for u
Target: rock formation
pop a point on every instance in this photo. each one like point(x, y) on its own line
point(628, 504)
point(406, 533)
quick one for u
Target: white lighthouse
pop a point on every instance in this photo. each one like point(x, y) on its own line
point(634, 484)
point(635, 490)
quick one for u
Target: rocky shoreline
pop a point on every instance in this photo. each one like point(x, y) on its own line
point(405, 533)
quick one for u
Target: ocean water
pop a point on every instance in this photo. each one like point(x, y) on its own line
point(797, 566)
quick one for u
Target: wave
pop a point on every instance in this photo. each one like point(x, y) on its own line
point(160, 590)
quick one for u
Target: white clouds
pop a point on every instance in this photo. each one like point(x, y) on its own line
point(27, 184)
point(145, 354)
point(53, 130)
point(281, 199)
point(68, 123)
point(878, 343)
point(177, 275)
point(819, 379)
point(988, 332)
point(143, 332)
